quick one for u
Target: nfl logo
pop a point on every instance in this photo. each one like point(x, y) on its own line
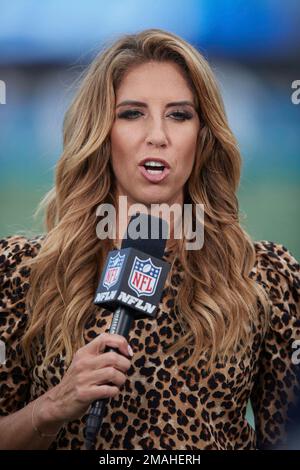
point(113, 270)
point(144, 276)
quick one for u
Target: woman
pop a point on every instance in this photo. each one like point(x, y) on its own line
point(229, 313)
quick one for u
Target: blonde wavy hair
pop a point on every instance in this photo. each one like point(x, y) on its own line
point(217, 301)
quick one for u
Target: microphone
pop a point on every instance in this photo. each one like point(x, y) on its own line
point(131, 286)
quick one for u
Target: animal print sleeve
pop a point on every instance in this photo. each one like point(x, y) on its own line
point(14, 373)
point(275, 395)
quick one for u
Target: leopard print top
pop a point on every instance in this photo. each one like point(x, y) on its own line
point(161, 405)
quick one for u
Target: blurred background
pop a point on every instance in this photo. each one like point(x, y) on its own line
point(253, 48)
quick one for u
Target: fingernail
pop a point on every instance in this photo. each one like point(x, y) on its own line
point(130, 350)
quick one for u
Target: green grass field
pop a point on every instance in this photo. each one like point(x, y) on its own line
point(269, 208)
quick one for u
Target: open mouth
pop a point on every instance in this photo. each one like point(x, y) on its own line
point(154, 168)
point(154, 171)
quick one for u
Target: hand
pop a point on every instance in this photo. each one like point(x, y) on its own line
point(92, 375)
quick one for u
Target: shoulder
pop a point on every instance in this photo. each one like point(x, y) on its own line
point(15, 250)
point(278, 271)
point(275, 266)
point(275, 252)
point(14, 247)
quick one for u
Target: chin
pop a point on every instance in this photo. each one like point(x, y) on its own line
point(153, 196)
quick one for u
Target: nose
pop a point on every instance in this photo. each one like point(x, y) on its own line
point(156, 134)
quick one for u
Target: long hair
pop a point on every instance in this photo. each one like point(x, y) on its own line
point(217, 301)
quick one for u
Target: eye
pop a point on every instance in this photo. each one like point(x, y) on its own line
point(133, 114)
point(129, 114)
point(181, 116)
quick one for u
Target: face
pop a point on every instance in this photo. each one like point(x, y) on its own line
point(153, 141)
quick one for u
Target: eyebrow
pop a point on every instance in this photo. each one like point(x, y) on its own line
point(144, 105)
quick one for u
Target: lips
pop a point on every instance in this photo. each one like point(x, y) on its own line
point(154, 159)
point(157, 173)
point(154, 177)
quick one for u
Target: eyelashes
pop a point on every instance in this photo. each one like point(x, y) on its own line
point(131, 114)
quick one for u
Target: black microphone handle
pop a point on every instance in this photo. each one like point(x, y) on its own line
point(121, 324)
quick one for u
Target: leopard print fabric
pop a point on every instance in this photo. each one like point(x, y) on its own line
point(161, 405)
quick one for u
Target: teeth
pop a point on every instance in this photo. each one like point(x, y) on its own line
point(153, 163)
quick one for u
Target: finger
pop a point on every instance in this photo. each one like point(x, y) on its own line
point(98, 392)
point(88, 363)
point(108, 375)
point(110, 359)
point(99, 344)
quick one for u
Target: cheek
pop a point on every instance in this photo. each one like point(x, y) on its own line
point(187, 157)
point(116, 139)
point(118, 151)
point(122, 145)
point(185, 169)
